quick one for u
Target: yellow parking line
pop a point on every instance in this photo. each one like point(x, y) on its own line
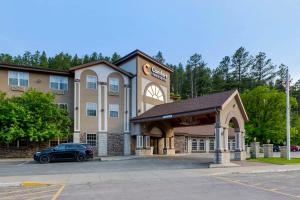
point(34, 184)
point(41, 197)
point(256, 187)
point(56, 195)
point(27, 190)
point(32, 193)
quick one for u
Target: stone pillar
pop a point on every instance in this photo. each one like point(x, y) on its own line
point(268, 150)
point(239, 153)
point(169, 142)
point(283, 152)
point(189, 145)
point(207, 141)
point(254, 152)
point(127, 144)
point(225, 136)
point(102, 144)
point(221, 157)
point(76, 137)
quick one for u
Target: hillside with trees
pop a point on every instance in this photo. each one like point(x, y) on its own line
point(260, 81)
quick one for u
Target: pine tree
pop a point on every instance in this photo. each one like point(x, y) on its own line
point(115, 57)
point(43, 60)
point(159, 57)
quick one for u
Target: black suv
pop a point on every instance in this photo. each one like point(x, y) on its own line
point(64, 152)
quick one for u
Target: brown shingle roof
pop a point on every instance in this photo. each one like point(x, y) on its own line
point(203, 103)
point(34, 69)
point(145, 56)
point(207, 130)
point(102, 62)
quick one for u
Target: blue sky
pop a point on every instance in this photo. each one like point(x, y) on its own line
point(179, 28)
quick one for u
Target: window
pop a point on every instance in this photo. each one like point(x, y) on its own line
point(139, 141)
point(154, 92)
point(201, 145)
point(147, 141)
point(91, 109)
point(53, 143)
point(60, 147)
point(18, 78)
point(114, 85)
point(114, 110)
point(63, 106)
point(91, 82)
point(59, 83)
point(233, 145)
point(91, 139)
point(194, 145)
point(211, 144)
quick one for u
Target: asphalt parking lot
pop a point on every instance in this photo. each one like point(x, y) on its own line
point(149, 178)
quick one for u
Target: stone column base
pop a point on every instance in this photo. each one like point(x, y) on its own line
point(102, 144)
point(169, 152)
point(144, 152)
point(240, 155)
point(268, 150)
point(76, 137)
point(222, 158)
point(127, 140)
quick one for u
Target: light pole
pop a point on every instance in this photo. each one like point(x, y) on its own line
point(288, 142)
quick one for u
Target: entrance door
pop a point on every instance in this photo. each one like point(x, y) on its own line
point(154, 144)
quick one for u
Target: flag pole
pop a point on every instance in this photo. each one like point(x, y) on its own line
point(288, 142)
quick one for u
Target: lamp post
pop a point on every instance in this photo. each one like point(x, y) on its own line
point(288, 142)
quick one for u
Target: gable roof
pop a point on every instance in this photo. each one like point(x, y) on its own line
point(34, 69)
point(143, 55)
point(208, 103)
point(102, 62)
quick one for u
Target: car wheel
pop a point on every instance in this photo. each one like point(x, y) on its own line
point(80, 158)
point(44, 159)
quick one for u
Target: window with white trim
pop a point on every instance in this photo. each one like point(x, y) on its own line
point(91, 109)
point(147, 141)
point(154, 92)
point(91, 139)
point(63, 106)
point(194, 145)
point(211, 144)
point(114, 110)
point(139, 141)
point(91, 82)
point(114, 85)
point(201, 145)
point(18, 78)
point(59, 83)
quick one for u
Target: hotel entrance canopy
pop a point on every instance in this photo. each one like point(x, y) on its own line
point(224, 109)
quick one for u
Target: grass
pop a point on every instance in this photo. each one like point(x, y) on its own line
point(281, 161)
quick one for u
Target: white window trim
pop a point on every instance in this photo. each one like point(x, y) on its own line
point(86, 82)
point(109, 109)
point(86, 109)
point(140, 141)
point(18, 77)
point(113, 78)
point(66, 104)
point(86, 136)
point(59, 89)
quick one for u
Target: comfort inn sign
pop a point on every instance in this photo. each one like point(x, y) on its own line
point(157, 73)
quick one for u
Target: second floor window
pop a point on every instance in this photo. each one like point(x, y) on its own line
point(59, 83)
point(91, 82)
point(18, 78)
point(91, 109)
point(114, 85)
point(114, 110)
point(63, 106)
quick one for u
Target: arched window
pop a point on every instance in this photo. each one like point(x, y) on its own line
point(154, 92)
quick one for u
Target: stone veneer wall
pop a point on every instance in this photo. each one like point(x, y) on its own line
point(22, 152)
point(115, 144)
point(179, 144)
point(83, 140)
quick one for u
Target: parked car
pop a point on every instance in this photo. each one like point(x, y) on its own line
point(276, 148)
point(64, 152)
point(294, 148)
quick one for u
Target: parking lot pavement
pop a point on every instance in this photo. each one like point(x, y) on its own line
point(44, 192)
point(283, 183)
point(230, 187)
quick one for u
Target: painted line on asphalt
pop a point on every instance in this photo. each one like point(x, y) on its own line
point(57, 194)
point(22, 195)
point(23, 163)
point(256, 187)
point(27, 190)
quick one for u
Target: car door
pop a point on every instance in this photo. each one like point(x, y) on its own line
point(70, 152)
point(59, 152)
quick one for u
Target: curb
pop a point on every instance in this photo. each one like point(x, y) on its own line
point(24, 184)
